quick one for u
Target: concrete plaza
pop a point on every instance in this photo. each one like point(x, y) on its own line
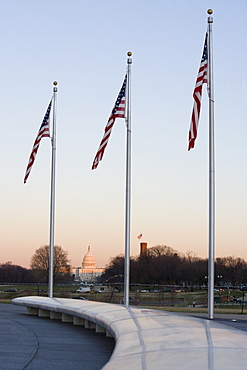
point(33, 343)
point(36, 342)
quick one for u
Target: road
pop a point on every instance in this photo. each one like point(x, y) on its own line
point(236, 321)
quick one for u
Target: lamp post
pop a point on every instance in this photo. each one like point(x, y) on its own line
point(219, 277)
point(242, 304)
point(113, 288)
point(206, 283)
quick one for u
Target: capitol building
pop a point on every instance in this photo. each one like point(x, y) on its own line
point(88, 272)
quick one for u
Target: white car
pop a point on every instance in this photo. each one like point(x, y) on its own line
point(83, 289)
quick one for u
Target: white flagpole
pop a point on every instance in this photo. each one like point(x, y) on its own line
point(211, 255)
point(128, 188)
point(52, 201)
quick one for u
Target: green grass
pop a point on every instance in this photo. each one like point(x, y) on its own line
point(169, 301)
point(5, 300)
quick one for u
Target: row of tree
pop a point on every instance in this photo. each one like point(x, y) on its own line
point(165, 266)
point(39, 271)
point(160, 265)
point(10, 273)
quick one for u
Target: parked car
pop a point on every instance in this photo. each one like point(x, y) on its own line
point(132, 300)
point(82, 298)
point(10, 290)
point(95, 291)
point(83, 289)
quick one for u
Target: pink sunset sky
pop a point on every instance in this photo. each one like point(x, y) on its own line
point(83, 46)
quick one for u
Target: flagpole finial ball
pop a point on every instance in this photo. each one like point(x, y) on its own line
point(129, 53)
point(55, 83)
point(210, 11)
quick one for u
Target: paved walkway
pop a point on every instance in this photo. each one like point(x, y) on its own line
point(35, 343)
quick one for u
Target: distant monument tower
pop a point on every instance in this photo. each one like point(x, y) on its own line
point(143, 248)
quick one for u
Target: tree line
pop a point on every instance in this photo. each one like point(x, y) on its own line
point(165, 266)
point(39, 271)
point(161, 265)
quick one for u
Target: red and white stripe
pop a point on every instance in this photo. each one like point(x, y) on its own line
point(44, 131)
point(117, 112)
point(197, 95)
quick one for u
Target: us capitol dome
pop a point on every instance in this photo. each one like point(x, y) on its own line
point(88, 263)
point(88, 272)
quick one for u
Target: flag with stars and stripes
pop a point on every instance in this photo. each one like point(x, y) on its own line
point(117, 112)
point(44, 131)
point(197, 94)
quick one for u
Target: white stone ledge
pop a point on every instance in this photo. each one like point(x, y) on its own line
point(150, 339)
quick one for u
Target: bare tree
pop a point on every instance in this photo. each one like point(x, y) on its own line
point(233, 269)
point(114, 269)
point(40, 263)
point(161, 250)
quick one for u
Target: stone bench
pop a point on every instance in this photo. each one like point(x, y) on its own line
point(150, 339)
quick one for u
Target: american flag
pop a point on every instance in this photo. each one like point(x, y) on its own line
point(197, 94)
point(139, 236)
point(117, 112)
point(44, 131)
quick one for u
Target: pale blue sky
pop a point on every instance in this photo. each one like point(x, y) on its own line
point(83, 45)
